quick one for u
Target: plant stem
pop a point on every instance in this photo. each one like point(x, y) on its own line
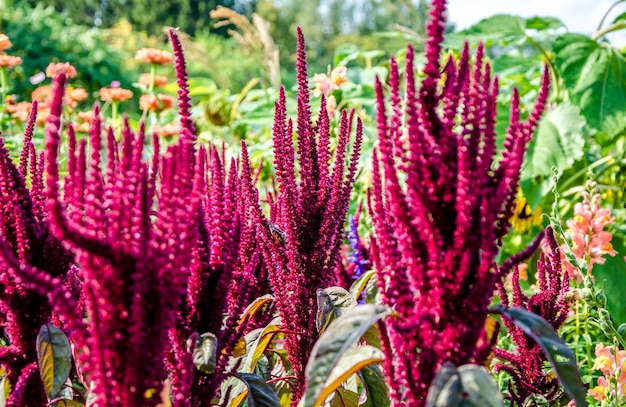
point(606, 14)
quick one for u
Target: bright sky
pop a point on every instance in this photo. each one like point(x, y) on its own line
point(578, 15)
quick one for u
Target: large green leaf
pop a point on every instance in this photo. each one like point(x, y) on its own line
point(260, 394)
point(560, 356)
point(595, 77)
point(333, 344)
point(611, 276)
point(466, 386)
point(345, 398)
point(558, 142)
point(55, 359)
point(374, 387)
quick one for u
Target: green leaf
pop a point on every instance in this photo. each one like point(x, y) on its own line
point(5, 390)
point(333, 344)
point(353, 360)
point(260, 394)
point(374, 387)
point(205, 353)
point(345, 398)
point(55, 359)
point(260, 344)
point(331, 304)
point(561, 357)
point(500, 24)
point(593, 75)
point(558, 142)
point(468, 386)
point(359, 284)
point(611, 276)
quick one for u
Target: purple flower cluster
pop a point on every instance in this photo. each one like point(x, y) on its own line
point(440, 209)
point(301, 240)
point(526, 364)
point(26, 238)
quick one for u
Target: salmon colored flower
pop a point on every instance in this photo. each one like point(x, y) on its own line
point(590, 242)
point(53, 69)
point(115, 94)
point(325, 84)
point(9, 61)
point(77, 94)
point(5, 43)
point(167, 131)
point(156, 103)
point(154, 56)
point(612, 363)
point(19, 111)
point(159, 80)
point(42, 94)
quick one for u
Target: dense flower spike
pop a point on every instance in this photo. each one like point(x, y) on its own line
point(526, 365)
point(440, 208)
point(221, 282)
point(303, 235)
point(26, 239)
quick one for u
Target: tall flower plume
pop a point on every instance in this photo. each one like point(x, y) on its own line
point(26, 238)
point(526, 364)
point(223, 274)
point(301, 239)
point(133, 238)
point(440, 209)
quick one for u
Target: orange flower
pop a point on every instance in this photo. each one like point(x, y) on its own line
point(77, 94)
point(153, 56)
point(85, 120)
point(5, 43)
point(42, 114)
point(159, 80)
point(156, 103)
point(19, 111)
point(42, 94)
point(9, 61)
point(115, 94)
point(54, 69)
point(167, 131)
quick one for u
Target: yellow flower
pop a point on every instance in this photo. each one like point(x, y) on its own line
point(523, 216)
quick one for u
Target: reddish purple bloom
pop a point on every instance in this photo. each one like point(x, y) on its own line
point(526, 364)
point(301, 239)
point(440, 209)
point(26, 239)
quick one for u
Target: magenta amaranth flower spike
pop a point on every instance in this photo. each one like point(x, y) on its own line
point(27, 240)
point(440, 208)
point(302, 238)
point(526, 364)
point(134, 256)
point(221, 281)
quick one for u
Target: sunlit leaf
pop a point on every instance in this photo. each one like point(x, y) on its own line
point(257, 305)
point(333, 344)
point(259, 346)
point(360, 283)
point(560, 356)
point(331, 303)
point(55, 359)
point(593, 75)
point(69, 403)
point(240, 348)
point(467, 386)
point(558, 142)
point(345, 398)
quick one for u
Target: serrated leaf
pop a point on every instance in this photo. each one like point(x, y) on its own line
point(593, 74)
point(55, 359)
point(558, 142)
point(331, 303)
point(333, 344)
point(345, 398)
point(467, 386)
point(205, 353)
point(560, 356)
point(260, 394)
point(374, 387)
